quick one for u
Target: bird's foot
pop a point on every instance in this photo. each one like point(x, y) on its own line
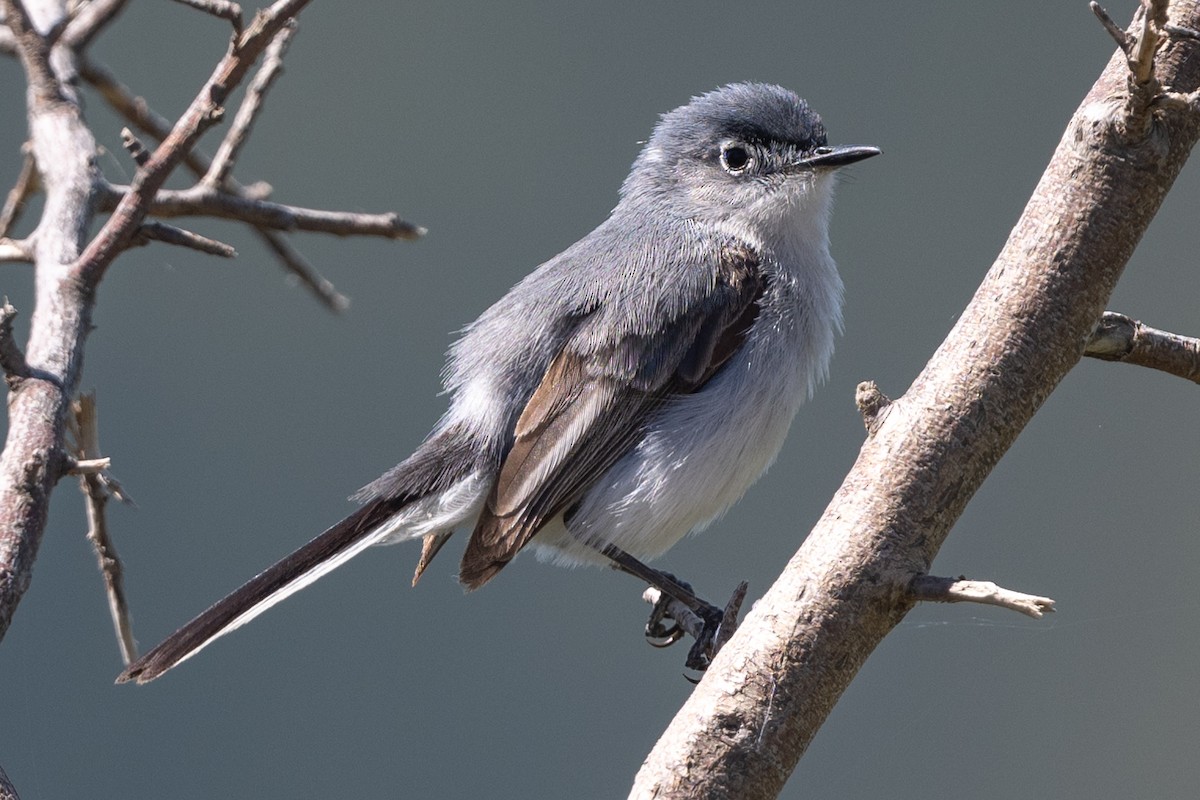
point(710, 626)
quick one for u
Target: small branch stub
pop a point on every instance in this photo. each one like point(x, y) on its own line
point(931, 588)
point(12, 360)
point(872, 405)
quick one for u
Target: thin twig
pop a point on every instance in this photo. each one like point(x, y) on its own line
point(1121, 338)
point(201, 201)
point(1114, 30)
point(931, 588)
point(202, 114)
point(26, 185)
point(170, 234)
point(97, 489)
point(88, 466)
point(16, 250)
point(218, 8)
point(295, 262)
point(91, 19)
point(140, 115)
point(252, 104)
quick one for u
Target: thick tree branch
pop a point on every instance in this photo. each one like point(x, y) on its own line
point(1120, 338)
point(32, 461)
point(768, 691)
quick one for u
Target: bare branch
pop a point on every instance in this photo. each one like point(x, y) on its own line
point(201, 201)
point(169, 234)
point(1114, 30)
point(67, 278)
point(97, 488)
point(91, 19)
point(88, 466)
point(34, 51)
point(218, 8)
point(931, 588)
point(251, 105)
point(26, 185)
point(298, 265)
point(12, 360)
point(141, 116)
point(202, 114)
point(16, 249)
point(1120, 338)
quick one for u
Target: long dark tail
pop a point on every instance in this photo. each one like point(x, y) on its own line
point(328, 551)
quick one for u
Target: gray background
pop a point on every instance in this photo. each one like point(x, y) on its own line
point(240, 414)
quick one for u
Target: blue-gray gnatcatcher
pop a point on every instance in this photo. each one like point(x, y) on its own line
point(631, 388)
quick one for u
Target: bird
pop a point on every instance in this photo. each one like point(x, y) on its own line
point(630, 389)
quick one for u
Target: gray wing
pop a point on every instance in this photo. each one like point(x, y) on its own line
point(593, 401)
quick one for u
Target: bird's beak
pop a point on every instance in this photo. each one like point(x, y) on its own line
point(834, 157)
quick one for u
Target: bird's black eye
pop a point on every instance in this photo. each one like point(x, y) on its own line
point(735, 158)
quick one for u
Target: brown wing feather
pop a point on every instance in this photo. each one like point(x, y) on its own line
point(582, 419)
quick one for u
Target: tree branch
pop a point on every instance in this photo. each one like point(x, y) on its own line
point(203, 201)
point(141, 116)
point(768, 691)
point(931, 588)
point(252, 104)
point(1120, 338)
point(26, 185)
point(222, 9)
point(65, 151)
point(169, 234)
point(90, 21)
point(97, 486)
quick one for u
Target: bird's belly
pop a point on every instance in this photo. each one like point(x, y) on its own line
point(699, 455)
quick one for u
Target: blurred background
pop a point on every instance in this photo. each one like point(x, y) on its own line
point(239, 414)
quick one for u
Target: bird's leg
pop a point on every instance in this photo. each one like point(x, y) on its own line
point(708, 639)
